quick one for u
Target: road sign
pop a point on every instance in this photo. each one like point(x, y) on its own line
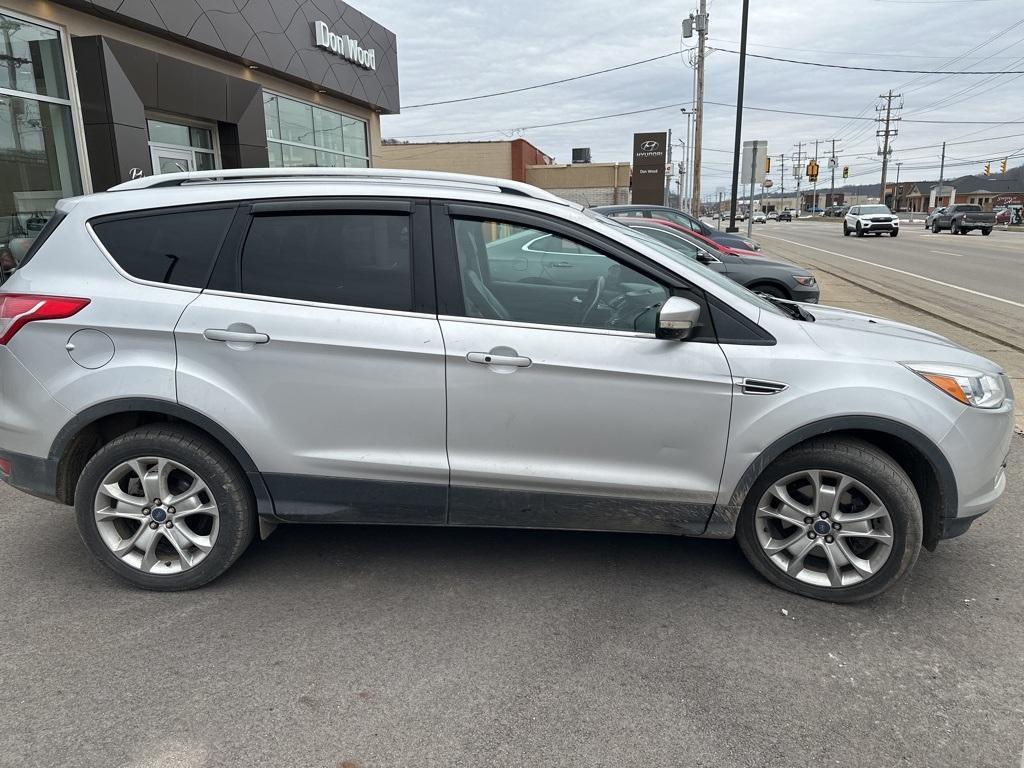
point(768, 183)
point(753, 163)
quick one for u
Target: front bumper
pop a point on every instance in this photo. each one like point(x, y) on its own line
point(977, 448)
point(808, 294)
point(879, 226)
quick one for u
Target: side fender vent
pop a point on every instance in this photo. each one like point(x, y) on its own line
point(760, 386)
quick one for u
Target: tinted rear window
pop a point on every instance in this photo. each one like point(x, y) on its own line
point(176, 248)
point(354, 259)
point(968, 209)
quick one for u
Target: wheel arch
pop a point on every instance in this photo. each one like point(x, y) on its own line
point(917, 455)
point(90, 429)
point(769, 281)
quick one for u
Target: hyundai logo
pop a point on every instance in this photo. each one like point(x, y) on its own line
point(649, 146)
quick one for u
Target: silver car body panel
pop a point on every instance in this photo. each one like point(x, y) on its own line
point(363, 395)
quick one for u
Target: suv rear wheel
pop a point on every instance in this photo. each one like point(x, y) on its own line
point(164, 508)
point(833, 519)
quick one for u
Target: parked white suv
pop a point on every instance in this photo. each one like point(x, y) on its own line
point(871, 220)
point(190, 359)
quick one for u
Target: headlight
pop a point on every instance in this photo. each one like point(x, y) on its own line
point(969, 386)
point(804, 279)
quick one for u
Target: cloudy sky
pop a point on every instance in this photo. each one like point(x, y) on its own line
point(456, 48)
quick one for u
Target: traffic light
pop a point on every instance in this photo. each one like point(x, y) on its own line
point(812, 171)
point(988, 169)
point(1002, 166)
point(846, 171)
point(767, 165)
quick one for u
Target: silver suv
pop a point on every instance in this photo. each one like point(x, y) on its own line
point(191, 359)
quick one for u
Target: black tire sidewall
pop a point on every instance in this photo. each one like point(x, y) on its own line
point(891, 485)
point(224, 479)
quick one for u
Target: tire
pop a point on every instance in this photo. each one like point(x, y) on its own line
point(223, 534)
point(860, 231)
point(846, 230)
point(771, 290)
point(986, 232)
point(954, 228)
point(935, 227)
point(894, 233)
point(864, 464)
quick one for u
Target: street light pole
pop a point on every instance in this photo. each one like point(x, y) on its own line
point(739, 119)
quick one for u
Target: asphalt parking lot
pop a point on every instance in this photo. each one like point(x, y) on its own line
point(366, 646)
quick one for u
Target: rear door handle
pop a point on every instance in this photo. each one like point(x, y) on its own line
point(237, 337)
point(486, 358)
point(561, 264)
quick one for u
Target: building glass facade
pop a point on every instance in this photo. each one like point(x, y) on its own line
point(301, 134)
point(39, 156)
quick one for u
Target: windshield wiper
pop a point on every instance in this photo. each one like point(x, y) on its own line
point(791, 308)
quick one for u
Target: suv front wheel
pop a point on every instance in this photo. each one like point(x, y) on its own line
point(164, 508)
point(832, 519)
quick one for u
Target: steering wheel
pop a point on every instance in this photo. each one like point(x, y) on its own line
point(590, 299)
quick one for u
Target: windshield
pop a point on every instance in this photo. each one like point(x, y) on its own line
point(725, 283)
point(868, 210)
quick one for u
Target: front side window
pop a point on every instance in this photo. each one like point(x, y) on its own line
point(522, 274)
point(38, 155)
point(352, 259)
point(176, 248)
point(301, 134)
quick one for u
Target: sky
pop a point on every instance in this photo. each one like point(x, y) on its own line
point(456, 48)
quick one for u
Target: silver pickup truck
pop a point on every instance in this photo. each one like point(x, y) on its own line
point(961, 219)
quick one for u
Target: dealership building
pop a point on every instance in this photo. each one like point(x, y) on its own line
point(96, 92)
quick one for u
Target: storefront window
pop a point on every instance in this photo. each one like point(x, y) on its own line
point(300, 134)
point(38, 155)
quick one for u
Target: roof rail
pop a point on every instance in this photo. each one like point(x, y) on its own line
point(336, 174)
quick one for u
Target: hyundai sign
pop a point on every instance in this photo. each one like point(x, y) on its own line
point(650, 154)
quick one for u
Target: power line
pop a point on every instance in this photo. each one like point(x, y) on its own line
point(876, 69)
point(840, 53)
point(542, 85)
point(508, 131)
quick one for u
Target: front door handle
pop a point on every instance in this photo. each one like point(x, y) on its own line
point(236, 337)
point(487, 358)
point(561, 264)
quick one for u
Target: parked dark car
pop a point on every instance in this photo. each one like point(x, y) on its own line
point(785, 216)
point(678, 217)
point(961, 219)
point(755, 271)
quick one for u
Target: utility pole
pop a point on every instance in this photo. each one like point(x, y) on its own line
point(701, 24)
point(815, 203)
point(896, 191)
point(833, 162)
point(887, 134)
point(799, 170)
point(782, 181)
point(719, 210)
point(737, 144)
point(942, 170)
point(668, 176)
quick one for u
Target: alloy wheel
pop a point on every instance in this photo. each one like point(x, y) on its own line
point(156, 515)
point(824, 528)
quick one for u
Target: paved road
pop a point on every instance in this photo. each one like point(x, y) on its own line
point(976, 281)
point(416, 647)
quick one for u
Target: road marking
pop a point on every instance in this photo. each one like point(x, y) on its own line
point(950, 253)
point(903, 272)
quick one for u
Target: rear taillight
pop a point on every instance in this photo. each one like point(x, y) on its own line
point(17, 309)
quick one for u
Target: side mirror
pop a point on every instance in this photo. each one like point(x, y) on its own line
point(704, 258)
point(677, 319)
